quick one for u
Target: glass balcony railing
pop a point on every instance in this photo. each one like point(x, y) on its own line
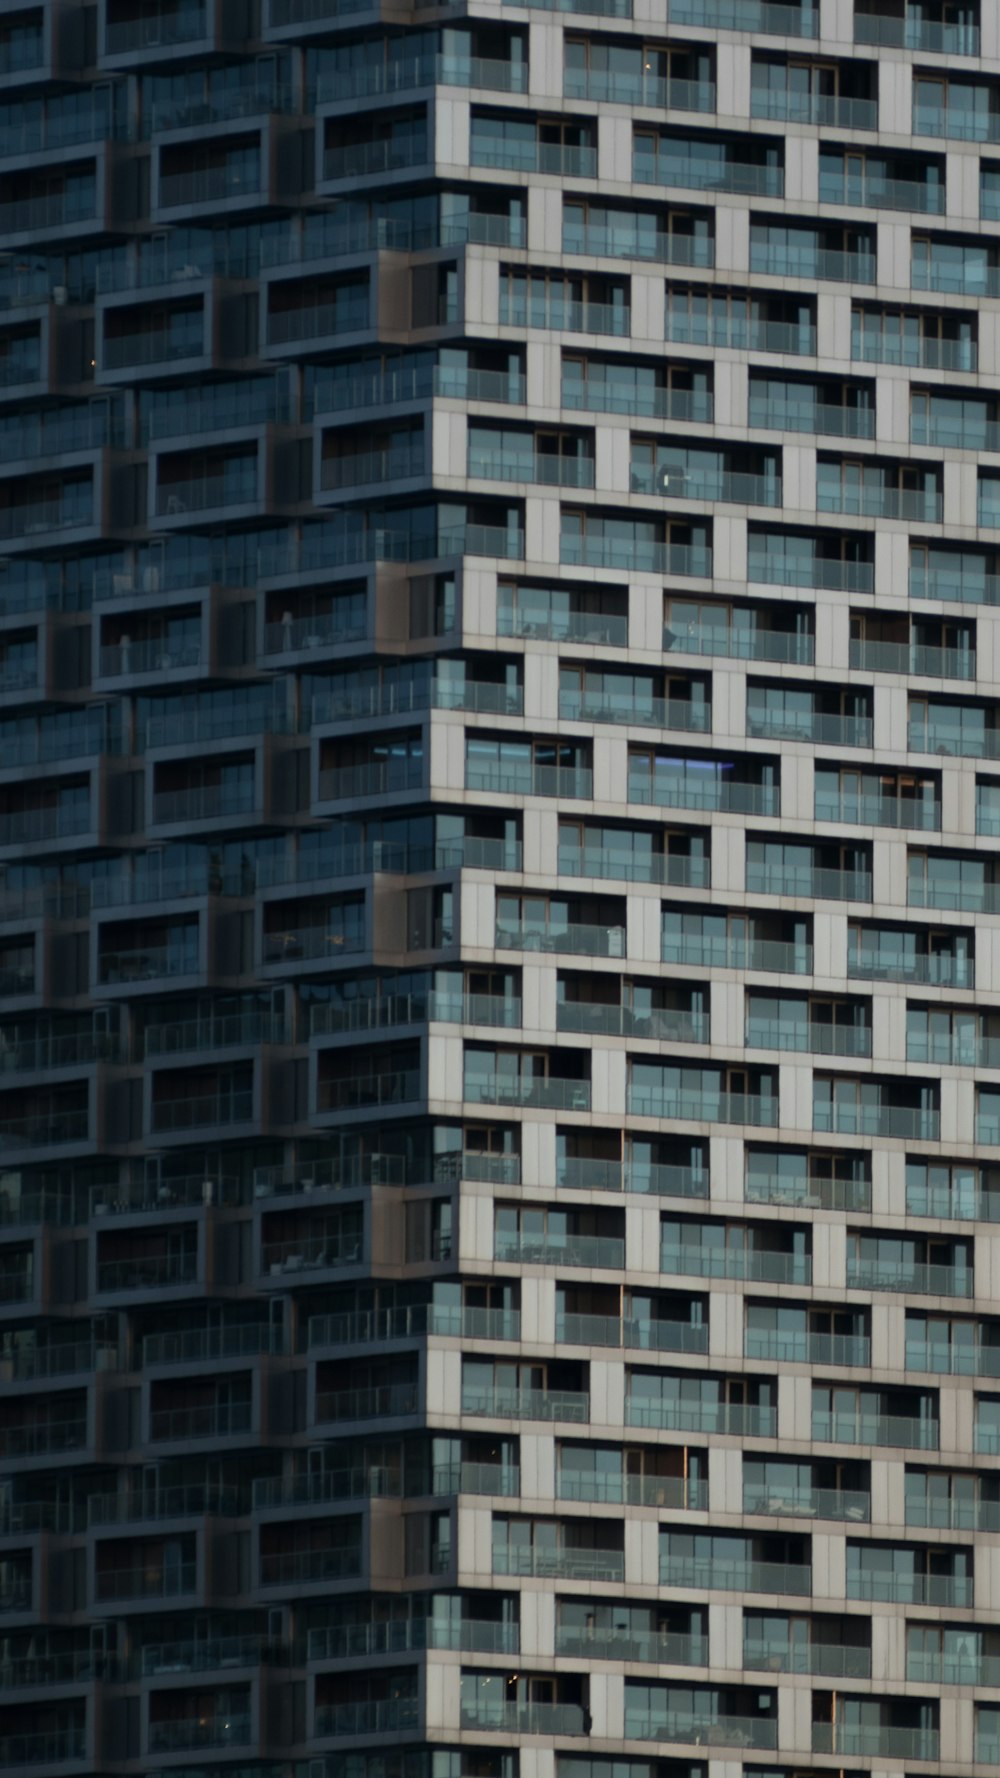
point(708, 173)
point(828, 730)
point(818, 884)
point(558, 158)
point(837, 1659)
point(664, 1647)
point(204, 802)
point(526, 778)
point(515, 1717)
point(918, 505)
point(808, 1037)
point(708, 1107)
point(145, 1581)
point(625, 87)
point(748, 15)
point(963, 124)
point(389, 1399)
point(945, 737)
point(736, 1572)
point(223, 1420)
point(338, 1642)
point(570, 938)
point(644, 1336)
point(559, 1564)
point(209, 185)
point(354, 469)
point(708, 950)
point(379, 778)
point(155, 30)
point(954, 1360)
point(919, 351)
point(778, 259)
point(403, 73)
point(597, 1251)
point(360, 1092)
point(916, 1122)
point(147, 1272)
point(367, 1326)
point(200, 1110)
point(660, 1024)
point(806, 1503)
point(565, 626)
point(637, 555)
point(759, 1265)
point(736, 1419)
point(815, 1193)
point(657, 402)
point(709, 791)
point(635, 867)
point(677, 1492)
point(953, 1512)
point(786, 105)
point(391, 154)
point(906, 657)
point(874, 191)
point(952, 1667)
point(374, 1014)
point(368, 1716)
point(501, 1403)
point(599, 241)
point(837, 573)
point(892, 1430)
point(875, 810)
point(551, 471)
point(750, 644)
point(522, 310)
point(799, 1346)
point(701, 1731)
point(940, 37)
point(728, 329)
point(551, 1094)
point(873, 1741)
point(590, 1174)
point(909, 1275)
point(730, 487)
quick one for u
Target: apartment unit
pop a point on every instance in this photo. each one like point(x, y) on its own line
point(499, 517)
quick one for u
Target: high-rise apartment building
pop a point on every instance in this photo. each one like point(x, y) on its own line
point(500, 902)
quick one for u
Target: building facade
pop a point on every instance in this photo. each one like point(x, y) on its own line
point(499, 516)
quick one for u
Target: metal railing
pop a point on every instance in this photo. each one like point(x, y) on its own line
point(864, 1428)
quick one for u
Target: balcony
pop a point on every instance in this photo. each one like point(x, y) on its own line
point(759, 1732)
point(734, 1419)
point(706, 950)
point(515, 1717)
point(370, 1014)
point(597, 241)
point(904, 1122)
point(595, 1251)
point(367, 1716)
point(586, 1174)
point(730, 486)
point(155, 1271)
point(813, 1193)
point(707, 172)
point(680, 871)
point(144, 1581)
point(678, 1493)
point(915, 505)
point(958, 38)
point(413, 1635)
point(799, 1346)
point(917, 1588)
point(500, 1403)
point(525, 778)
point(807, 1503)
point(559, 1564)
point(750, 644)
point(711, 791)
point(366, 1092)
point(606, 628)
point(828, 265)
point(837, 1659)
point(288, 1568)
point(873, 191)
point(829, 730)
point(748, 15)
point(573, 938)
point(644, 1336)
point(389, 1399)
point(621, 87)
point(864, 810)
point(405, 73)
point(635, 555)
point(808, 1037)
point(689, 1104)
point(760, 1266)
point(641, 712)
point(834, 112)
point(662, 1647)
point(162, 29)
point(538, 1094)
point(551, 471)
point(837, 573)
point(892, 1430)
point(872, 1741)
point(910, 1275)
point(183, 1734)
point(925, 352)
point(387, 777)
point(732, 331)
point(735, 1574)
point(203, 802)
point(659, 401)
point(556, 158)
point(661, 1024)
point(201, 1111)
